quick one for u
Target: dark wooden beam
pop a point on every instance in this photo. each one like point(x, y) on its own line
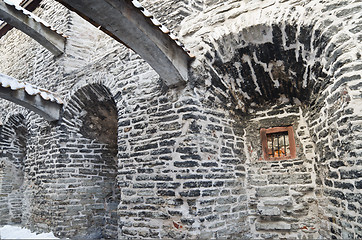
point(32, 26)
point(35, 99)
point(128, 23)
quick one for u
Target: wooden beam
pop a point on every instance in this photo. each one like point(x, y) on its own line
point(127, 22)
point(35, 99)
point(29, 5)
point(31, 25)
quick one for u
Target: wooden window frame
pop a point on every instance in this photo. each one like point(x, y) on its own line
point(264, 141)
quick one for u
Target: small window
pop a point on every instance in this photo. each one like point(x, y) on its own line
point(278, 143)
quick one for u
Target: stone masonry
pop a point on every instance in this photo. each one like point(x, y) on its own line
point(131, 158)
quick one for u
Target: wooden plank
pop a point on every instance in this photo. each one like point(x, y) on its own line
point(126, 23)
point(35, 99)
point(31, 25)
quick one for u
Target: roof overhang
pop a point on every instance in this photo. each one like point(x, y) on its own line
point(33, 26)
point(29, 5)
point(38, 100)
point(128, 22)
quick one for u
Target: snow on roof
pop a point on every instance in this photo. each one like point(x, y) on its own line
point(31, 15)
point(7, 81)
point(164, 29)
point(16, 2)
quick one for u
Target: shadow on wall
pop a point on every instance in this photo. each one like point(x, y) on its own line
point(90, 154)
point(275, 65)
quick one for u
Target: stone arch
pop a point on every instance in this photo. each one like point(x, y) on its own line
point(322, 37)
point(314, 65)
point(12, 155)
point(89, 153)
point(270, 63)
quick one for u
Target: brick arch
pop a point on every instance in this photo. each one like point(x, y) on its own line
point(90, 154)
point(13, 136)
point(311, 43)
point(98, 113)
point(317, 60)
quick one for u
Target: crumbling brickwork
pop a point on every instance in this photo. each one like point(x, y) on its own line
point(131, 158)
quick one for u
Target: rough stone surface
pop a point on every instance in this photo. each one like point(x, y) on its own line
point(132, 159)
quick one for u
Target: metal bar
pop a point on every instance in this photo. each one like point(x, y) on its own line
point(272, 144)
point(285, 148)
point(278, 145)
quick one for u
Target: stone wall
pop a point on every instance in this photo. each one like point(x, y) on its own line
point(302, 54)
point(134, 159)
point(182, 175)
point(281, 194)
point(86, 196)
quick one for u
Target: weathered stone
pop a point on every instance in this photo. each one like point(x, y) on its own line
point(358, 184)
point(278, 191)
point(280, 201)
point(269, 211)
point(188, 162)
point(273, 226)
point(290, 179)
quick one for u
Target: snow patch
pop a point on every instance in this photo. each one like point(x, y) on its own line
point(16, 232)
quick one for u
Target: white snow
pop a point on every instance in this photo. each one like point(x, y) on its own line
point(30, 90)
point(16, 2)
point(155, 22)
point(16, 232)
point(7, 81)
point(137, 4)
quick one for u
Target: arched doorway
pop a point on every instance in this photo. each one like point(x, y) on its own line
point(89, 156)
point(12, 154)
